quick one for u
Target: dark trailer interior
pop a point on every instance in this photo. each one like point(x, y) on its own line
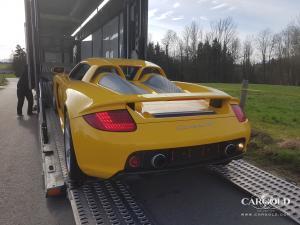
point(62, 33)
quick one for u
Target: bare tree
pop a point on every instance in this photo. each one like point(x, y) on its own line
point(291, 40)
point(169, 41)
point(279, 54)
point(224, 31)
point(180, 45)
point(263, 41)
point(186, 41)
point(192, 34)
point(247, 54)
point(235, 49)
point(196, 36)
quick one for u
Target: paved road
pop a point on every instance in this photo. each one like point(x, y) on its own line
point(190, 197)
point(22, 200)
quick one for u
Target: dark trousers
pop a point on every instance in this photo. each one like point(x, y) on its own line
point(21, 97)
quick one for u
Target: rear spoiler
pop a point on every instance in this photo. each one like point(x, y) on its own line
point(134, 99)
point(184, 96)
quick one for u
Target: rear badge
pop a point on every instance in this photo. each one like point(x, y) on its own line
point(194, 126)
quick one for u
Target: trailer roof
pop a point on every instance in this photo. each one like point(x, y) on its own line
point(62, 17)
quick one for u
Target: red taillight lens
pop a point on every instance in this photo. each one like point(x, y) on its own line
point(240, 115)
point(115, 121)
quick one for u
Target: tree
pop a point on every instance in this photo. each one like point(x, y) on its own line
point(224, 31)
point(218, 55)
point(169, 41)
point(19, 60)
point(247, 53)
point(235, 49)
point(264, 42)
point(196, 35)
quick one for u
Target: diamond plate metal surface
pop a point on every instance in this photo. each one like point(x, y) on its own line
point(256, 181)
point(58, 137)
point(106, 202)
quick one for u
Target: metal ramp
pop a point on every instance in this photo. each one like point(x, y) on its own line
point(257, 182)
point(106, 202)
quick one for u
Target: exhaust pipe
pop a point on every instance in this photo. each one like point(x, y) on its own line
point(159, 161)
point(230, 149)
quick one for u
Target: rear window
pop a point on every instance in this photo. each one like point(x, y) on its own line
point(149, 70)
point(161, 84)
point(130, 71)
point(115, 83)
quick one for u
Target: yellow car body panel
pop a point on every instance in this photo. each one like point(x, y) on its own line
point(110, 154)
point(104, 154)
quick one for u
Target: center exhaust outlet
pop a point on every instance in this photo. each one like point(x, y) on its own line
point(230, 149)
point(159, 161)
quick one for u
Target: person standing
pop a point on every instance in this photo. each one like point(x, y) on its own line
point(24, 91)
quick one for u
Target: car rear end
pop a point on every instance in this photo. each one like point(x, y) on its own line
point(160, 132)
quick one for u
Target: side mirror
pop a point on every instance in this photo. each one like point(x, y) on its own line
point(57, 70)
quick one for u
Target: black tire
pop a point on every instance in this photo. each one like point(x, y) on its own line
point(73, 169)
point(54, 104)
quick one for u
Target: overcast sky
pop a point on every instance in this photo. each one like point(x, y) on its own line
point(250, 15)
point(12, 26)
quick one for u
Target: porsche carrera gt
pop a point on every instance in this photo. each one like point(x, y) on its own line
point(126, 116)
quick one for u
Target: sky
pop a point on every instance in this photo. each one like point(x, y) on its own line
point(251, 17)
point(12, 26)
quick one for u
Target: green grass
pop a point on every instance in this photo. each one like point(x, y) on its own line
point(273, 109)
point(3, 81)
point(7, 76)
point(274, 114)
point(5, 66)
point(3, 77)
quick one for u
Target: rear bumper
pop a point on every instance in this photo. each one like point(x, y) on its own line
point(104, 154)
point(175, 158)
point(179, 168)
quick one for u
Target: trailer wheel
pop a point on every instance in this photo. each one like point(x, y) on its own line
point(73, 169)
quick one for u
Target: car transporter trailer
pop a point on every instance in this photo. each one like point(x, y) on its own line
point(49, 25)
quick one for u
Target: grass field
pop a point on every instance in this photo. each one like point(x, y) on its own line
point(5, 66)
point(3, 77)
point(7, 76)
point(274, 113)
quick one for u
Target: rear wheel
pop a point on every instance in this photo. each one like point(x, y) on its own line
point(54, 103)
point(73, 169)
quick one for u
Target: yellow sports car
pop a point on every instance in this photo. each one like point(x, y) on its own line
point(124, 116)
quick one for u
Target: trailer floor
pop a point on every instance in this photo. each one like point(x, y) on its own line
point(22, 198)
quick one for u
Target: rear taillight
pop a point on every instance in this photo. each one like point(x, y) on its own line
point(114, 121)
point(240, 115)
